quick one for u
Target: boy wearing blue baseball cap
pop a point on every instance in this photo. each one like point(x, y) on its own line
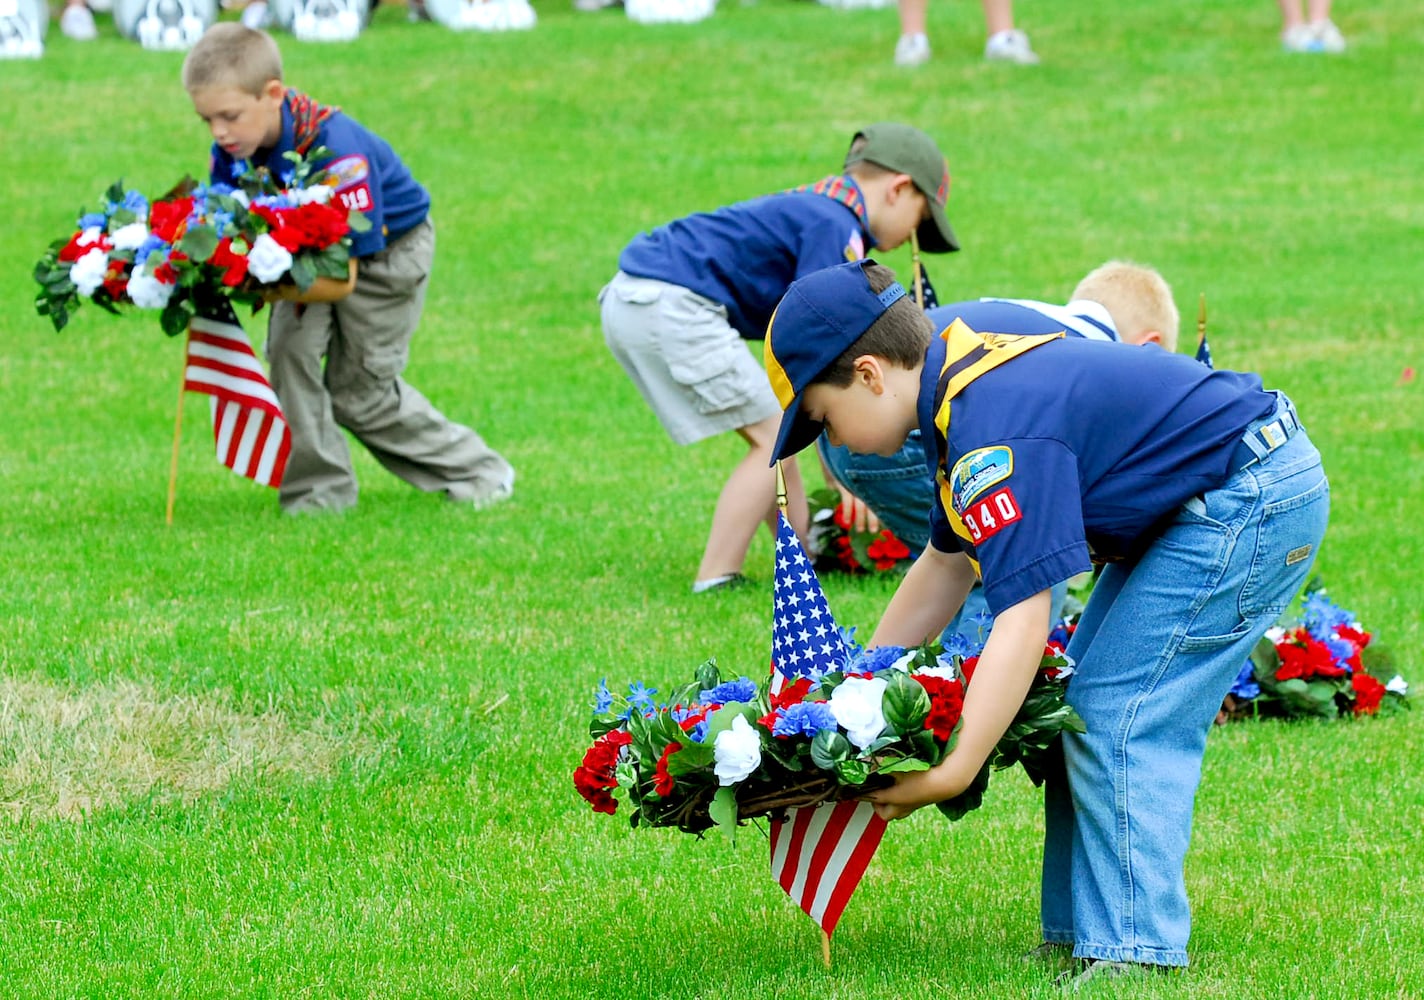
point(1197, 488)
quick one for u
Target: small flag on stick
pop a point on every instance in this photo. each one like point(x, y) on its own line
point(1203, 351)
point(818, 853)
point(249, 431)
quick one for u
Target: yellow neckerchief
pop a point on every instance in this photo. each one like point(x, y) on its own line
point(967, 356)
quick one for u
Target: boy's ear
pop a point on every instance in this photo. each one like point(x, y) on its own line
point(900, 185)
point(274, 90)
point(1150, 337)
point(870, 373)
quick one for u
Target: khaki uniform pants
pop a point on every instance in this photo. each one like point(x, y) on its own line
point(365, 342)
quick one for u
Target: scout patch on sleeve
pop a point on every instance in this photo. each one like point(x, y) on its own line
point(349, 174)
point(976, 472)
point(987, 517)
point(855, 247)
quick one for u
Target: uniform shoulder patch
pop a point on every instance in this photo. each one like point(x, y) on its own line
point(976, 471)
point(985, 518)
point(855, 246)
point(348, 170)
point(349, 174)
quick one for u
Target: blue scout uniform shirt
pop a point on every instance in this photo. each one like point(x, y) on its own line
point(1081, 317)
point(370, 177)
point(1050, 451)
point(746, 255)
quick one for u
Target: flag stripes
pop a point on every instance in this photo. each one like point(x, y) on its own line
point(250, 435)
point(819, 855)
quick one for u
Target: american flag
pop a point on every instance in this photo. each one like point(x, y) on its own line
point(818, 853)
point(1203, 351)
point(249, 431)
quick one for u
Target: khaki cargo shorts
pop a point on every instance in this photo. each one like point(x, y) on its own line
point(694, 370)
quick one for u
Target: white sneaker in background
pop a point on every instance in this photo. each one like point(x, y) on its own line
point(669, 11)
point(1328, 36)
point(1010, 46)
point(857, 4)
point(912, 50)
point(77, 22)
point(483, 15)
point(256, 16)
point(22, 28)
point(589, 6)
point(1301, 38)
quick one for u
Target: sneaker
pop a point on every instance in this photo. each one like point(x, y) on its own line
point(1010, 46)
point(256, 15)
point(1058, 955)
point(1101, 970)
point(77, 22)
point(589, 6)
point(912, 50)
point(732, 581)
point(22, 30)
point(481, 494)
point(1328, 36)
point(1301, 38)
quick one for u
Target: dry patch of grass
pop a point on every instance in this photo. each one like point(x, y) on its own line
point(66, 751)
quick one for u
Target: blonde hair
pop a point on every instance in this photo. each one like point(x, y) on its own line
point(1138, 299)
point(232, 55)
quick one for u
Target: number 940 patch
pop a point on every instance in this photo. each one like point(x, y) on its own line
point(986, 517)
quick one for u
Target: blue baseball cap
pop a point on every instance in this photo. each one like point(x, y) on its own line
point(819, 317)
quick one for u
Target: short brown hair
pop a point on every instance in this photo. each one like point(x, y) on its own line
point(901, 334)
point(1137, 297)
point(232, 55)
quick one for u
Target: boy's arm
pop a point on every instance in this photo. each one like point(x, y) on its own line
point(930, 595)
point(1001, 682)
point(323, 289)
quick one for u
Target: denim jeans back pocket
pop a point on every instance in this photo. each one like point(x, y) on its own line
point(1294, 513)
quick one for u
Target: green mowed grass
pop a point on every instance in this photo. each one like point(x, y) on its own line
point(254, 756)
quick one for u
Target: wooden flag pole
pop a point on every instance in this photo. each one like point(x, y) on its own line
point(780, 488)
point(1201, 320)
point(919, 275)
point(177, 438)
point(826, 949)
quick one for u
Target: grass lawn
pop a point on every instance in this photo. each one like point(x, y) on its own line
point(263, 757)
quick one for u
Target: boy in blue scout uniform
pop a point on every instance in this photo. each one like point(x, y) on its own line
point(1116, 301)
point(690, 292)
point(1198, 488)
point(361, 328)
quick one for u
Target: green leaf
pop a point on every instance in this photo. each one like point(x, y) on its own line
point(829, 748)
point(905, 703)
point(968, 800)
point(199, 243)
point(692, 757)
point(176, 316)
point(303, 273)
point(853, 772)
point(707, 674)
point(902, 765)
point(723, 810)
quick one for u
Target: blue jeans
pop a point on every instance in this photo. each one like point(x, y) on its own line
point(901, 491)
point(1157, 648)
